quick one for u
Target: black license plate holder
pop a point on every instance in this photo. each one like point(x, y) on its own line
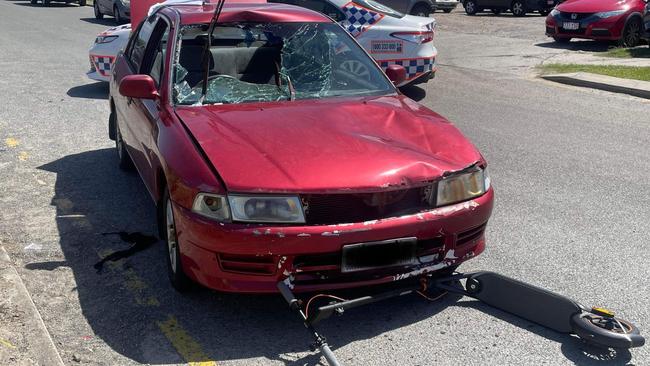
point(379, 254)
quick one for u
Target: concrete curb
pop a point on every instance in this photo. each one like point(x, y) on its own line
point(635, 88)
point(25, 339)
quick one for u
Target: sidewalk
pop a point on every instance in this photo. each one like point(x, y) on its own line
point(592, 58)
point(24, 340)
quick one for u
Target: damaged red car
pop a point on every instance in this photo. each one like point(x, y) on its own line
point(270, 161)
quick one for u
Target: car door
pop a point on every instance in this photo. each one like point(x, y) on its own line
point(137, 118)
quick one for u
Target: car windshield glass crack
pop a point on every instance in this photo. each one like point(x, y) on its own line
point(254, 62)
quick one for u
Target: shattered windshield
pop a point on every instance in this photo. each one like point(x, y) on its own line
point(255, 62)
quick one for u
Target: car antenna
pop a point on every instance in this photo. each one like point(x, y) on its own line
point(206, 50)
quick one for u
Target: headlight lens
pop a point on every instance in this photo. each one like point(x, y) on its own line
point(607, 14)
point(462, 187)
point(212, 206)
point(266, 209)
point(105, 39)
point(554, 12)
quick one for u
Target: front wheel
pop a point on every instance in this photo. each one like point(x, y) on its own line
point(46, 2)
point(470, 7)
point(124, 160)
point(177, 275)
point(606, 331)
point(98, 12)
point(518, 8)
point(117, 16)
point(631, 33)
point(82, 2)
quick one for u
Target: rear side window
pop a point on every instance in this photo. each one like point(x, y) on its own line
point(139, 45)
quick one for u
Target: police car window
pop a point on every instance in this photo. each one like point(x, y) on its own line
point(140, 42)
point(380, 8)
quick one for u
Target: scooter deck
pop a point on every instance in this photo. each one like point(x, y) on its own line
point(523, 300)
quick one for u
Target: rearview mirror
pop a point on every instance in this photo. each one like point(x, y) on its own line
point(138, 86)
point(396, 74)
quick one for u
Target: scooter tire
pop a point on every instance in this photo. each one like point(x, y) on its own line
point(591, 327)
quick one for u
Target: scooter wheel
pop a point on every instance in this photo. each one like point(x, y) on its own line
point(606, 331)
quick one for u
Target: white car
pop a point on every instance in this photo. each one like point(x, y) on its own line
point(388, 36)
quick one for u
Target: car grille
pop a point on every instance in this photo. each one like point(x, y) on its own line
point(579, 16)
point(325, 209)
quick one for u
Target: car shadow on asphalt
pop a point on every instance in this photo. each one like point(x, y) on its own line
point(53, 5)
point(130, 305)
point(109, 22)
point(582, 45)
point(98, 90)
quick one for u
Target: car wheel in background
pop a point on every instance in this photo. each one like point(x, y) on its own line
point(356, 68)
point(82, 2)
point(447, 10)
point(544, 12)
point(33, 2)
point(561, 40)
point(177, 275)
point(470, 7)
point(518, 8)
point(631, 33)
point(46, 2)
point(98, 12)
point(117, 16)
point(421, 10)
point(497, 11)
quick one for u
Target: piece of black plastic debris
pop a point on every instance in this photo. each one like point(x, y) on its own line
point(140, 242)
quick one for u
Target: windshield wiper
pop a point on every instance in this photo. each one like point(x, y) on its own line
point(206, 51)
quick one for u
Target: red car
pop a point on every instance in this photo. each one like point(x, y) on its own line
point(287, 166)
point(610, 20)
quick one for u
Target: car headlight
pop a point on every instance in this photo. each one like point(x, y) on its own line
point(554, 12)
point(607, 14)
point(105, 39)
point(213, 206)
point(462, 187)
point(281, 209)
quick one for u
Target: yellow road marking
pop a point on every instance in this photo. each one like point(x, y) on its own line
point(7, 344)
point(185, 345)
point(11, 142)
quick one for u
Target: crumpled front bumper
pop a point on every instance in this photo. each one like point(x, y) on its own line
point(253, 258)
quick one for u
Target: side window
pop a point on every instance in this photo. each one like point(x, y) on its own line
point(154, 56)
point(321, 6)
point(139, 44)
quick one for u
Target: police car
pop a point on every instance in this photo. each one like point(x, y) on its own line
point(390, 37)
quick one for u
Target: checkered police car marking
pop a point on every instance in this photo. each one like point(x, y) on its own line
point(414, 67)
point(358, 19)
point(103, 64)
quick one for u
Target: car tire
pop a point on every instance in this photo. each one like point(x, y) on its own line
point(97, 10)
point(561, 39)
point(631, 33)
point(447, 10)
point(33, 2)
point(177, 276)
point(46, 2)
point(421, 10)
point(470, 7)
point(82, 2)
point(544, 12)
point(497, 11)
point(124, 160)
point(518, 8)
point(117, 16)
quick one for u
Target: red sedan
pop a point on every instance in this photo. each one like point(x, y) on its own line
point(610, 20)
point(270, 161)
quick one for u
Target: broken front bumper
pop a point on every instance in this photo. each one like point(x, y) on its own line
point(253, 257)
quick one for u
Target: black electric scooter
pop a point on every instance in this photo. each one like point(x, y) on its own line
point(596, 325)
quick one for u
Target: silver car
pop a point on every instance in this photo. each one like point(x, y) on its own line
point(119, 9)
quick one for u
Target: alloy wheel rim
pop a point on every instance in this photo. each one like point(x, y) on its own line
point(172, 242)
point(357, 68)
point(470, 6)
point(96, 8)
point(516, 8)
point(633, 34)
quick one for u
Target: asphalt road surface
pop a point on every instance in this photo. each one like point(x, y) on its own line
point(572, 213)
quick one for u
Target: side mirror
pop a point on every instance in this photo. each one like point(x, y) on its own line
point(139, 86)
point(396, 74)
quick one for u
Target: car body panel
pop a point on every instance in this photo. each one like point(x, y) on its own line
point(102, 55)
point(590, 26)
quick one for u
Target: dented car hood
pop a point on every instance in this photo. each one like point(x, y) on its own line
point(328, 145)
